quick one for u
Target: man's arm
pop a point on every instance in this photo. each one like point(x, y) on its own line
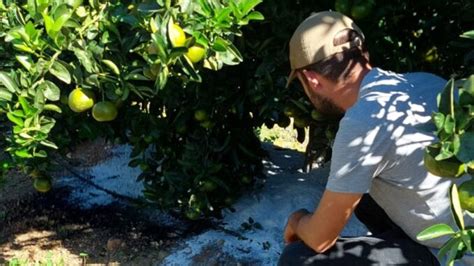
point(321, 229)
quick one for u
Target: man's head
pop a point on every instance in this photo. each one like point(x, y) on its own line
point(327, 55)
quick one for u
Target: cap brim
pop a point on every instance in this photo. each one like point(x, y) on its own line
point(291, 77)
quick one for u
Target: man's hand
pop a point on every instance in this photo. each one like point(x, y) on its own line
point(321, 229)
point(289, 234)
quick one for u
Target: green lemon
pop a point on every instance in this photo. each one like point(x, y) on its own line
point(246, 179)
point(362, 9)
point(207, 124)
point(208, 186)
point(196, 53)
point(176, 35)
point(466, 195)
point(317, 115)
point(443, 168)
point(201, 115)
point(80, 100)
point(290, 111)
point(104, 111)
point(42, 184)
point(300, 122)
point(192, 214)
point(431, 55)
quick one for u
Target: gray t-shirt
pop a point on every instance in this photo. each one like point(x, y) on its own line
point(379, 150)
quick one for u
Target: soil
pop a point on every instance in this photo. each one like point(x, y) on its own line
point(37, 227)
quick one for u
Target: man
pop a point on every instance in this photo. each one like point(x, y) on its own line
point(377, 163)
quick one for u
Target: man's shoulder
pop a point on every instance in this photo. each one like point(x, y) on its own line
point(385, 80)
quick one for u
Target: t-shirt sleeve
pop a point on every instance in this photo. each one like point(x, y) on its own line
point(358, 156)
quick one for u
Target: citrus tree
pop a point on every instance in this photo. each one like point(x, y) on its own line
point(186, 83)
point(130, 71)
point(453, 157)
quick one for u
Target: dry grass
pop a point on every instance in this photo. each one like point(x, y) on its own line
point(283, 137)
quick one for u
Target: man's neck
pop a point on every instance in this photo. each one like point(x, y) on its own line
point(349, 91)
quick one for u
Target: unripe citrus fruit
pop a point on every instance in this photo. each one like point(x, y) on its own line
point(196, 53)
point(431, 55)
point(201, 115)
point(300, 122)
point(207, 124)
point(466, 195)
point(42, 184)
point(246, 179)
point(317, 115)
point(443, 168)
point(104, 111)
point(362, 9)
point(80, 100)
point(208, 186)
point(192, 214)
point(176, 35)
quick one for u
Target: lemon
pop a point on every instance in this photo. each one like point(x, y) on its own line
point(431, 55)
point(196, 53)
point(300, 122)
point(42, 184)
point(466, 195)
point(80, 100)
point(317, 115)
point(104, 111)
point(201, 115)
point(443, 168)
point(176, 35)
point(208, 186)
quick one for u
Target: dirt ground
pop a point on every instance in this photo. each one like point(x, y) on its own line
point(36, 227)
point(43, 227)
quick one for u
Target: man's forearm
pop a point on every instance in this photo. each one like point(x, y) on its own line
point(308, 233)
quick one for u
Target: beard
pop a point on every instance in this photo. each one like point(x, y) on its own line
point(326, 106)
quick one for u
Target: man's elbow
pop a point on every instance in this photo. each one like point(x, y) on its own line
point(321, 247)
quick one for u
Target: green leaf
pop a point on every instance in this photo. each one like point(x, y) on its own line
point(469, 85)
point(23, 153)
point(61, 15)
point(220, 45)
point(446, 99)
point(52, 107)
point(5, 95)
point(235, 52)
point(456, 209)
point(453, 242)
point(468, 34)
point(247, 5)
point(49, 144)
point(59, 70)
point(18, 121)
point(255, 15)
point(8, 82)
point(25, 61)
point(48, 24)
point(39, 99)
point(449, 124)
point(25, 105)
point(466, 238)
point(40, 154)
point(112, 66)
point(435, 231)
point(438, 120)
point(50, 90)
point(466, 150)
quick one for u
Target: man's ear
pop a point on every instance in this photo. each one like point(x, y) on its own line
point(311, 77)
